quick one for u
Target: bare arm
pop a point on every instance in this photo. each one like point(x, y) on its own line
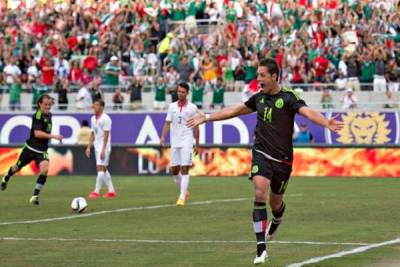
point(165, 130)
point(43, 135)
point(223, 114)
point(91, 140)
point(318, 118)
point(105, 140)
point(196, 133)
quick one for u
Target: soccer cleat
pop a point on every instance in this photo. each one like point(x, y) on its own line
point(34, 200)
point(260, 259)
point(94, 195)
point(3, 184)
point(180, 202)
point(110, 195)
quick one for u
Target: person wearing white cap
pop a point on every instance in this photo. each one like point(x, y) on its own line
point(112, 71)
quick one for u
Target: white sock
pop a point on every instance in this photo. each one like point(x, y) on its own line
point(184, 186)
point(177, 179)
point(107, 178)
point(99, 182)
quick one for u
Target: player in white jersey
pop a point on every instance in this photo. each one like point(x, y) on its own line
point(101, 138)
point(181, 139)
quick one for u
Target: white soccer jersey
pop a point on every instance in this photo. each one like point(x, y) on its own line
point(99, 126)
point(180, 134)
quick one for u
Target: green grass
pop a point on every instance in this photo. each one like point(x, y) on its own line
point(318, 209)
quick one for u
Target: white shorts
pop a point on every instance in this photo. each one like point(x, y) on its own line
point(105, 161)
point(159, 104)
point(181, 156)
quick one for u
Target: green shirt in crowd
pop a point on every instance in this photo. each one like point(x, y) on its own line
point(15, 92)
point(37, 91)
point(109, 78)
point(197, 94)
point(367, 71)
point(161, 90)
point(218, 96)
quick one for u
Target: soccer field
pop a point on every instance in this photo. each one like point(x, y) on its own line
point(142, 226)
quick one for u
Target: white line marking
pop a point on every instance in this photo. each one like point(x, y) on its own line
point(77, 216)
point(346, 252)
point(175, 241)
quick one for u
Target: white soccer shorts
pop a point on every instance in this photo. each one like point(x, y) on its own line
point(181, 156)
point(105, 161)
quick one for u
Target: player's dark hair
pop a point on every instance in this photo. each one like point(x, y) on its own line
point(85, 123)
point(43, 97)
point(184, 85)
point(101, 102)
point(272, 67)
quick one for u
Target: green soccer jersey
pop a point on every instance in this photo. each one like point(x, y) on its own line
point(218, 96)
point(15, 92)
point(37, 91)
point(112, 79)
point(367, 71)
point(160, 92)
point(197, 94)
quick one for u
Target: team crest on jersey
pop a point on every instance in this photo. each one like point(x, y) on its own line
point(262, 101)
point(254, 169)
point(279, 103)
point(364, 128)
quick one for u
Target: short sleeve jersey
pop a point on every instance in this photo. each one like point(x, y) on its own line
point(180, 134)
point(43, 123)
point(275, 122)
point(99, 126)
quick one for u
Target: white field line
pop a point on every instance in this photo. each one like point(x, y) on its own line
point(89, 214)
point(76, 216)
point(175, 241)
point(346, 252)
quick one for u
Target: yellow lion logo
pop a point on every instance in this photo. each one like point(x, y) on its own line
point(364, 128)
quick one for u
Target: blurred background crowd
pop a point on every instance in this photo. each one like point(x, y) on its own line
point(126, 48)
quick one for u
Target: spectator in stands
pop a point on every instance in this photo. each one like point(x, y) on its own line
point(341, 82)
point(353, 72)
point(303, 136)
point(135, 93)
point(15, 90)
point(349, 100)
point(198, 92)
point(84, 133)
point(185, 70)
point(48, 73)
point(61, 67)
point(83, 98)
point(218, 99)
point(326, 99)
point(367, 71)
point(112, 72)
point(75, 74)
point(37, 89)
point(95, 90)
point(390, 101)
point(117, 99)
point(379, 75)
point(61, 87)
point(393, 76)
point(160, 94)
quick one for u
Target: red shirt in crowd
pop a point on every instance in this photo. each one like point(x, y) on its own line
point(321, 65)
point(75, 75)
point(47, 72)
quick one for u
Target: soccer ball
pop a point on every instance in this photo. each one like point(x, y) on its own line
point(79, 204)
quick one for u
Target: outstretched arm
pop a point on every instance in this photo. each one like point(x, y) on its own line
point(223, 114)
point(318, 118)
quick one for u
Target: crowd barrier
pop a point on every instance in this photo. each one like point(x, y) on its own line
point(317, 161)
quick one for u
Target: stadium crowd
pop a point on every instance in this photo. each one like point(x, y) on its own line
point(125, 46)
